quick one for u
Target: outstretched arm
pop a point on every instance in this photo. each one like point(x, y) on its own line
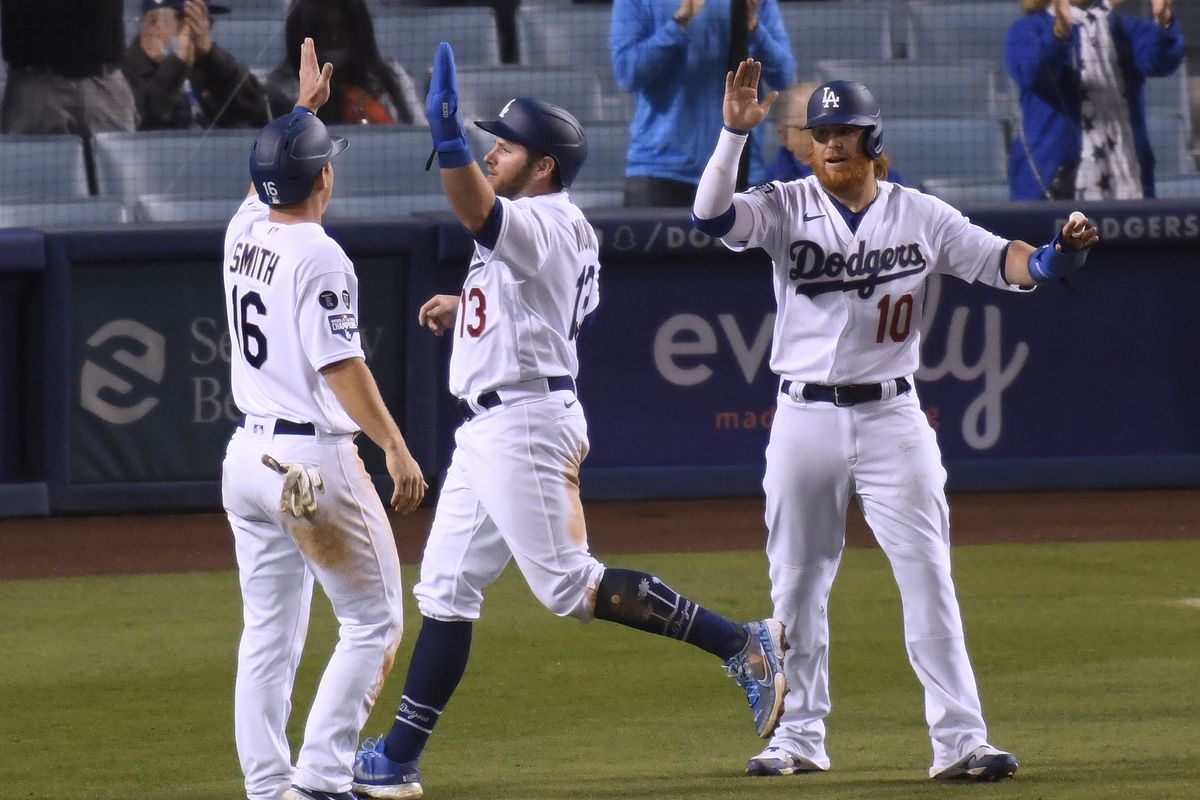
point(1026, 266)
point(714, 211)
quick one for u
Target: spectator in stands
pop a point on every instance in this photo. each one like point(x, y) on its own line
point(1081, 70)
point(63, 67)
point(794, 160)
point(365, 89)
point(182, 79)
point(674, 60)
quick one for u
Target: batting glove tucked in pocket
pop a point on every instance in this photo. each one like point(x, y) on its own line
point(299, 481)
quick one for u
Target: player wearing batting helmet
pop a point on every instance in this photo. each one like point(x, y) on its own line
point(299, 503)
point(852, 255)
point(512, 490)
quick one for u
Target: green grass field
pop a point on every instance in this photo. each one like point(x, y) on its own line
point(1088, 657)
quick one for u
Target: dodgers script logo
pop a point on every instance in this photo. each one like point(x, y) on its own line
point(862, 270)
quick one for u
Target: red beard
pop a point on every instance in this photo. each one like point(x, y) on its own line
point(843, 180)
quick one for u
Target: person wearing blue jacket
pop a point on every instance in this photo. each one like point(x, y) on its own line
point(673, 55)
point(1081, 71)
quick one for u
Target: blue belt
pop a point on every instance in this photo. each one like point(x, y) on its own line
point(489, 400)
point(847, 395)
point(289, 428)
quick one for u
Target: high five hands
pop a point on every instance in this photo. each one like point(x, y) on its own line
point(741, 109)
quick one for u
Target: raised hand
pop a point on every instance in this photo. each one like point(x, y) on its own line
point(752, 14)
point(741, 109)
point(195, 16)
point(441, 109)
point(314, 80)
point(687, 9)
point(1161, 10)
point(1062, 18)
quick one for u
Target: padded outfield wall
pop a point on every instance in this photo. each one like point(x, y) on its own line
point(114, 362)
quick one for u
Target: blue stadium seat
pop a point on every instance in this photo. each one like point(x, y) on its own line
point(172, 208)
point(963, 192)
point(65, 212)
point(410, 37)
point(356, 207)
point(384, 159)
point(577, 37)
point(608, 146)
point(927, 148)
point(941, 31)
point(840, 29)
point(962, 88)
point(482, 92)
point(180, 163)
point(1170, 137)
point(42, 166)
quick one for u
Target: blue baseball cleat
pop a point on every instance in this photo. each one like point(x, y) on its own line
point(376, 775)
point(984, 763)
point(758, 669)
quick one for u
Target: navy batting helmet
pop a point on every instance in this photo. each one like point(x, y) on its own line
point(288, 155)
point(848, 103)
point(543, 127)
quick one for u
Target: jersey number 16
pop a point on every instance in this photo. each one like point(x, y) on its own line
point(251, 337)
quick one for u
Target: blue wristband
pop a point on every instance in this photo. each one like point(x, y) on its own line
point(302, 109)
point(1046, 263)
point(736, 131)
point(454, 154)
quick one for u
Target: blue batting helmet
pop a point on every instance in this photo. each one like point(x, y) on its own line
point(543, 127)
point(288, 155)
point(848, 103)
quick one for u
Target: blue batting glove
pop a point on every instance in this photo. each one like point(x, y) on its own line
point(441, 109)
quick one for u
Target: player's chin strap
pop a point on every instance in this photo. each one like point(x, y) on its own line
point(1049, 261)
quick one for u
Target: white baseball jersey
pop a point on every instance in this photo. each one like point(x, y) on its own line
point(523, 301)
point(291, 299)
point(850, 304)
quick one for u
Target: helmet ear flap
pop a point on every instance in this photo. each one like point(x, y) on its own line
point(873, 141)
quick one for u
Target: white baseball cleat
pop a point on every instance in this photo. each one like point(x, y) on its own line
point(984, 763)
point(777, 761)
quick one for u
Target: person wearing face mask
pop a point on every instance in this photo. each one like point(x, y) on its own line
point(366, 90)
point(181, 78)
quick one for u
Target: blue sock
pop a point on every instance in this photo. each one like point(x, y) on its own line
point(438, 661)
point(644, 602)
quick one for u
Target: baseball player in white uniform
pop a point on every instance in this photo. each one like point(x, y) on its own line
point(851, 257)
point(299, 500)
point(512, 489)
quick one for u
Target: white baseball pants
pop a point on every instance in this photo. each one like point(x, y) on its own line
point(349, 548)
point(885, 453)
point(512, 491)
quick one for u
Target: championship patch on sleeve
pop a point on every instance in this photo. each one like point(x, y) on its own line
point(343, 325)
point(328, 300)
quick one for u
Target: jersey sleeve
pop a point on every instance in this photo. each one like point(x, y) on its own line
point(966, 250)
point(763, 206)
point(524, 240)
point(327, 311)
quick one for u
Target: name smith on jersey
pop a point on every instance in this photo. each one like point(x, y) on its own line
point(818, 272)
point(253, 262)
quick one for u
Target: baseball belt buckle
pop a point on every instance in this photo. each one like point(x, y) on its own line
point(837, 396)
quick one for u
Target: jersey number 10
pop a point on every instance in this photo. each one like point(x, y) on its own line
point(895, 321)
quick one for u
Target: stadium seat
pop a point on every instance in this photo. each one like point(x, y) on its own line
point(254, 42)
point(384, 205)
point(171, 208)
point(963, 88)
point(482, 92)
point(947, 147)
point(839, 29)
point(962, 193)
point(63, 212)
point(574, 36)
point(1185, 187)
point(180, 163)
point(42, 166)
point(941, 31)
point(411, 36)
point(608, 146)
point(1170, 138)
point(385, 159)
